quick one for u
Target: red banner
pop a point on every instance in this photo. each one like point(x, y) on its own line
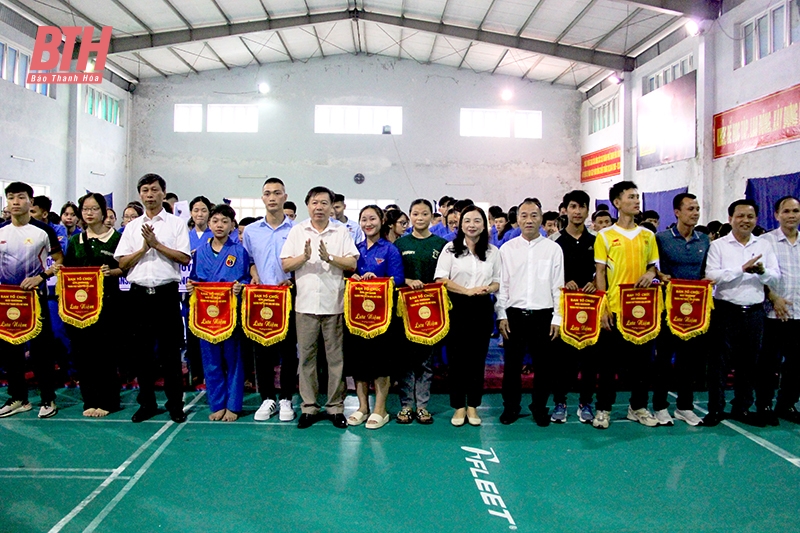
point(212, 311)
point(639, 319)
point(368, 306)
point(80, 295)
point(580, 317)
point(425, 312)
point(20, 315)
point(265, 313)
point(770, 120)
point(689, 305)
point(601, 164)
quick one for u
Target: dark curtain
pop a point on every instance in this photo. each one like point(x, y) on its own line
point(661, 203)
point(611, 208)
point(766, 191)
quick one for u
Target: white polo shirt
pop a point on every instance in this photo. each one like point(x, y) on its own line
point(320, 285)
point(154, 269)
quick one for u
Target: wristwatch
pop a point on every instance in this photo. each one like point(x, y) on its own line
point(330, 258)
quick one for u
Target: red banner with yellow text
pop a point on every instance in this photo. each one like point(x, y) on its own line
point(212, 311)
point(639, 319)
point(601, 164)
point(770, 120)
point(20, 314)
point(80, 295)
point(425, 312)
point(580, 317)
point(689, 305)
point(265, 313)
point(368, 306)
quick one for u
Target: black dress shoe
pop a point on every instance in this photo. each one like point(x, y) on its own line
point(747, 417)
point(307, 420)
point(767, 416)
point(789, 414)
point(179, 417)
point(712, 419)
point(144, 413)
point(338, 420)
point(509, 416)
point(542, 418)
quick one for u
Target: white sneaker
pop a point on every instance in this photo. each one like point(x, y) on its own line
point(46, 410)
point(663, 418)
point(643, 416)
point(267, 409)
point(687, 416)
point(601, 419)
point(287, 411)
point(12, 407)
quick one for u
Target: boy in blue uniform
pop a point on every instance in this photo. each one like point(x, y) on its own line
point(222, 260)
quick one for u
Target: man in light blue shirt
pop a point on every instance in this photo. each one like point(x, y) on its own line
point(352, 225)
point(264, 240)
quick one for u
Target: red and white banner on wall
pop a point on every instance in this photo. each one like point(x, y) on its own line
point(601, 164)
point(773, 119)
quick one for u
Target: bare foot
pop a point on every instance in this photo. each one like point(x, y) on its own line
point(230, 416)
point(100, 413)
point(216, 416)
point(90, 412)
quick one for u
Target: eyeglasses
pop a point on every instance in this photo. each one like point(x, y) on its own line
point(91, 209)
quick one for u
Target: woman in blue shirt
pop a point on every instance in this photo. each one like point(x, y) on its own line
point(369, 359)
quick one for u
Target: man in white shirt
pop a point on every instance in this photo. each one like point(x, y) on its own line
point(319, 252)
point(352, 225)
point(782, 327)
point(532, 274)
point(740, 264)
point(152, 250)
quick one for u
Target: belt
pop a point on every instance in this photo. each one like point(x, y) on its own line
point(742, 308)
point(530, 312)
point(150, 291)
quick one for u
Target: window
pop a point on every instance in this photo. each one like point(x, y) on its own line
point(521, 124)
point(355, 205)
point(188, 118)
point(769, 31)
point(14, 67)
point(353, 119)
point(604, 115)
point(680, 68)
point(11, 64)
point(249, 207)
point(38, 190)
point(232, 118)
point(101, 105)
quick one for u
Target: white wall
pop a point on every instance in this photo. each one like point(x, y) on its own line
point(609, 136)
point(65, 143)
point(429, 159)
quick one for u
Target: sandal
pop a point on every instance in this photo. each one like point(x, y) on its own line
point(356, 419)
point(376, 421)
point(424, 417)
point(405, 416)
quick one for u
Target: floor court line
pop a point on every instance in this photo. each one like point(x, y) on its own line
point(764, 443)
point(55, 476)
point(118, 471)
point(27, 469)
point(134, 479)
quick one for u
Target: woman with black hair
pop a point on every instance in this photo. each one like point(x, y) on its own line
point(395, 225)
point(470, 269)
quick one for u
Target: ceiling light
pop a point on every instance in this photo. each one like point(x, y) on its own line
point(506, 95)
point(614, 79)
point(263, 87)
point(692, 27)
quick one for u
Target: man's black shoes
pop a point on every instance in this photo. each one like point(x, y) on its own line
point(509, 416)
point(338, 420)
point(306, 421)
point(144, 413)
point(767, 416)
point(790, 414)
point(179, 417)
point(747, 417)
point(713, 419)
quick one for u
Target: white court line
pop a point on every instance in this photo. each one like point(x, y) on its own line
point(26, 469)
point(764, 443)
point(117, 472)
point(134, 479)
point(53, 476)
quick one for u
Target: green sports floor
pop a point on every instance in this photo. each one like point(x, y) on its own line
point(72, 474)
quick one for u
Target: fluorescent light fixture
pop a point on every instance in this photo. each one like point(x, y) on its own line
point(692, 27)
point(263, 87)
point(616, 80)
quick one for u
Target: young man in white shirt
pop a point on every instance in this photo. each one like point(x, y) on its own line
point(532, 274)
point(152, 250)
point(319, 252)
point(740, 264)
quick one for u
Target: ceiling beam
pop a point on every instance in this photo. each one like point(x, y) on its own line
point(250, 50)
point(115, 68)
point(464, 57)
point(224, 64)
point(76, 11)
point(486, 15)
point(566, 71)
point(221, 11)
point(178, 14)
point(624, 22)
point(502, 57)
point(319, 42)
point(530, 17)
point(182, 60)
point(132, 15)
point(577, 19)
point(533, 66)
point(704, 9)
point(659, 33)
point(149, 64)
point(288, 53)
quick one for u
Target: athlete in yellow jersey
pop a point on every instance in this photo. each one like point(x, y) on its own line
point(623, 253)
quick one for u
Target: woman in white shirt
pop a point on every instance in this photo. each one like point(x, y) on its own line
point(470, 269)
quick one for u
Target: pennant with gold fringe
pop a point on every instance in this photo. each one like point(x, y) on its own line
point(80, 295)
point(425, 312)
point(580, 317)
point(689, 305)
point(20, 314)
point(639, 319)
point(265, 313)
point(368, 306)
point(212, 311)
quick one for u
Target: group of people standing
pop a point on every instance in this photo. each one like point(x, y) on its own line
point(510, 278)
